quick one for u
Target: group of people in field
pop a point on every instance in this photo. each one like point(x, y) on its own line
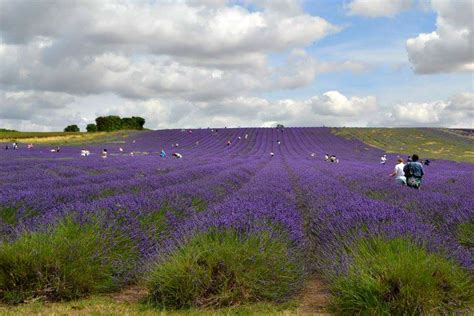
point(14, 146)
point(410, 173)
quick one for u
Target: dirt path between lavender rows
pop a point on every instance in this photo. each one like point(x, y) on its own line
point(314, 298)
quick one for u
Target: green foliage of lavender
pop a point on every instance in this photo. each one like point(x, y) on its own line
point(65, 262)
point(223, 268)
point(465, 234)
point(397, 277)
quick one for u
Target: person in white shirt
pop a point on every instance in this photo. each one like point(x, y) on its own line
point(383, 159)
point(177, 155)
point(398, 172)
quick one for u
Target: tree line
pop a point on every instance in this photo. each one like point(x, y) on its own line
point(110, 123)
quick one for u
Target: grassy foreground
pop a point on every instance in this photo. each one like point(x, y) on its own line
point(109, 305)
point(63, 138)
point(435, 143)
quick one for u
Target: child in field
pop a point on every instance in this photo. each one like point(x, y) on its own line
point(177, 155)
point(398, 172)
point(414, 172)
point(104, 153)
point(162, 153)
point(383, 159)
point(326, 157)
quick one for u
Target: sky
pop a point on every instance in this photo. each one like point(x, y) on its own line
point(216, 63)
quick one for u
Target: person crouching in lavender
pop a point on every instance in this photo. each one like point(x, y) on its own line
point(398, 172)
point(414, 172)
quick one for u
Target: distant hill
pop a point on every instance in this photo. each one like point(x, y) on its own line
point(441, 143)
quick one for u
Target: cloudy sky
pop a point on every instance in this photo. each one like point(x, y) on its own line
point(201, 63)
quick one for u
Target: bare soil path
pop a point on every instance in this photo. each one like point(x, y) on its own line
point(314, 298)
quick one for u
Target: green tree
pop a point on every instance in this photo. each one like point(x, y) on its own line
point(133, 122)
point(72, 128)
point(108, 123)
point(91, 128)
point(140, 122)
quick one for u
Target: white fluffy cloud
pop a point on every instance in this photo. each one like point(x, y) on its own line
point(458, 111)
point(330, 108)
point(33, 111)
point(183, 50)
point(450, 47)
point(167, 27)
point(24, 105)
point(378, 8)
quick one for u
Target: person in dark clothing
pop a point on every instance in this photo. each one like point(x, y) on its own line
point(414, 172)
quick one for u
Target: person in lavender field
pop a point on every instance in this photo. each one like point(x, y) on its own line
point(414, 172)
point(398, 172)
point(177, 155)
point(162, 153)
point(383, 159)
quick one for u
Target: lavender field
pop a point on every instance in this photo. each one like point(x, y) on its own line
point(318, 211)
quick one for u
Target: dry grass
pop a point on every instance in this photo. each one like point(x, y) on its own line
point(63, 138)
point(109, 305)
point(434, 143)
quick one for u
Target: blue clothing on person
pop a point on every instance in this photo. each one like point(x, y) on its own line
point(413, 173)
point(163, 154)
point(414, 169)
